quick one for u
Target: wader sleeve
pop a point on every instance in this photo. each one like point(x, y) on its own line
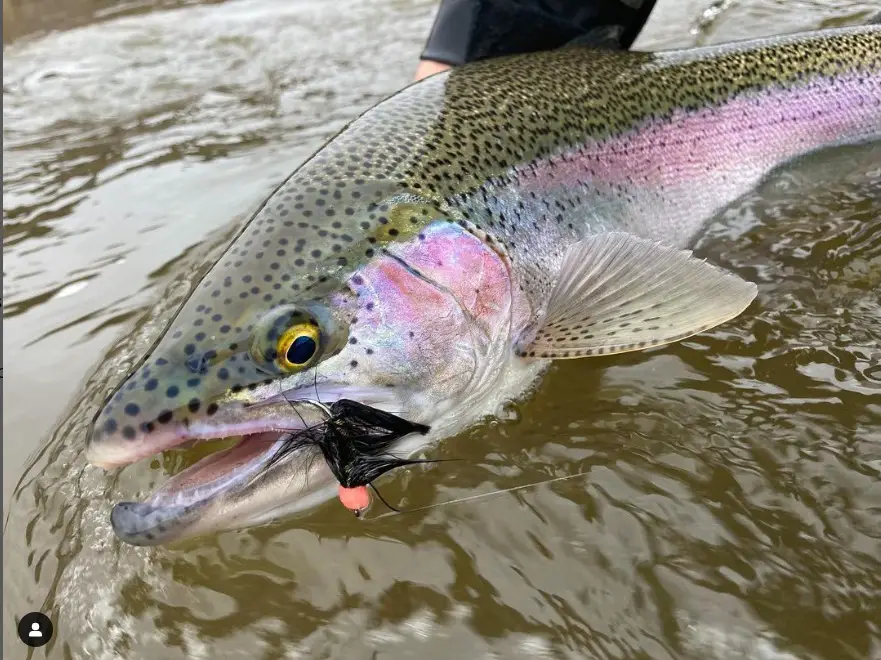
point(468, 30)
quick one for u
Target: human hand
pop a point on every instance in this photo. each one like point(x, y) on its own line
point(429, 67)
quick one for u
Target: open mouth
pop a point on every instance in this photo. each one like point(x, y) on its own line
point(241, 445)
point(346, 442)
point(229, 469)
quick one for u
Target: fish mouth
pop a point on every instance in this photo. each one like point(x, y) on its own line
point(256, 479)
point(183, 500)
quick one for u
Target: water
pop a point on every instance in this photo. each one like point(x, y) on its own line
point(731, 505)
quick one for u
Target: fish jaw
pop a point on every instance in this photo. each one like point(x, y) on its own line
point(270, 412)
point(223, 491)
point(196, 503)
point(239, 487)
point(113, 450)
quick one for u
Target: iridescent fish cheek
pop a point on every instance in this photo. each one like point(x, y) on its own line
point(430, 311)
point(407, 332)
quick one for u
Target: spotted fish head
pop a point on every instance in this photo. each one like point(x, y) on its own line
point(413, 314)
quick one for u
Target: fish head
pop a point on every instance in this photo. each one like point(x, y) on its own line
point(401, 308)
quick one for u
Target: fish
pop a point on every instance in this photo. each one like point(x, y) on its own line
point(433, 258)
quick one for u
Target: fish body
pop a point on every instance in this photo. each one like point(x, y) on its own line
point(433, 257)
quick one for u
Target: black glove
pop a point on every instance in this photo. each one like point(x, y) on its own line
point(468, 30)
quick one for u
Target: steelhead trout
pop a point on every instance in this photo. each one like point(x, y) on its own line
point(438, 253)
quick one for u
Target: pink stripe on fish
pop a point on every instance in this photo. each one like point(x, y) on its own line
point(746, 135)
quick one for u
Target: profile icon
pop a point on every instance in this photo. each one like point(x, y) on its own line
point(35, 629)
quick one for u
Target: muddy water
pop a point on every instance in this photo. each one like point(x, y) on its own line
point(730, 505)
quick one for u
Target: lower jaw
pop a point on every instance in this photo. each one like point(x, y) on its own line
point(180, 502)
point(183, 505)
point(224, 463)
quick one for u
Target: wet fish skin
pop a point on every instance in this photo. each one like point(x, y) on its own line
point(425, 241)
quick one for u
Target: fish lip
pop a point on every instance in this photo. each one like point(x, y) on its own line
point(117, 454)
point(131, 522)
point(171, 513)
point(168, 515)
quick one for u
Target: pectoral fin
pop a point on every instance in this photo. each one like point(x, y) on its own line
point(618, 293)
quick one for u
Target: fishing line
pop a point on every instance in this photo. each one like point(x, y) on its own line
point(471, 498)
point(384, 501)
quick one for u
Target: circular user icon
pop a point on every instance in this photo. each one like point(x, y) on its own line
point(35, 629)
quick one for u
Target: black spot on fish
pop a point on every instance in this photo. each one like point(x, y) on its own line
point(172, 391)
point(129, 433)
point(132, 409)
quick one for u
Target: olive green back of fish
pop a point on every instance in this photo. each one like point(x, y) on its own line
point(417, 155)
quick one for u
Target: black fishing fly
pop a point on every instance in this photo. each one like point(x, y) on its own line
point(355, 441)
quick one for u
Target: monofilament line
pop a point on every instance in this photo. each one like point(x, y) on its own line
point(480, 496)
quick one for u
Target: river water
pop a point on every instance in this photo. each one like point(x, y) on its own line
point(731, 503)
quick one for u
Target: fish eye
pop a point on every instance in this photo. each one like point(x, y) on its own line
point(297, 346)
